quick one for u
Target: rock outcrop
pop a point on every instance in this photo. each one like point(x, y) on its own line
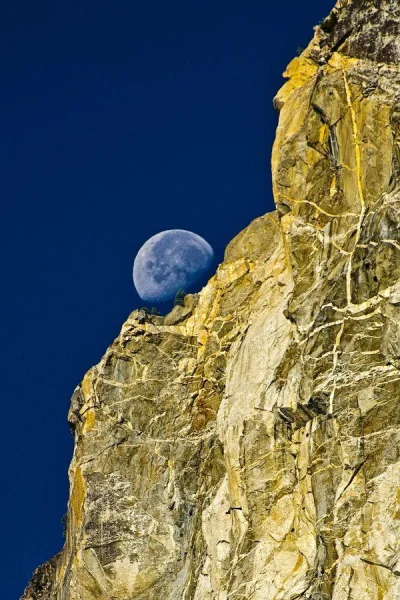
point(247, 446)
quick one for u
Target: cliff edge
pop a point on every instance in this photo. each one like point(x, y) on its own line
point(247, 446)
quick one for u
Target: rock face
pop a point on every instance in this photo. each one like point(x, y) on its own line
point(247, 446)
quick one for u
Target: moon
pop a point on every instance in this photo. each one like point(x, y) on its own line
point(171, 260)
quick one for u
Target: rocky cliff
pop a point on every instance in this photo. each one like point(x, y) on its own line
point(247, 446)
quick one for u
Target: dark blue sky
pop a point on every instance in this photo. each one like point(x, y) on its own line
point(118, 120)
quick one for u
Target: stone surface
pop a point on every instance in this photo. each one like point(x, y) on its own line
point(44, 583)
point(247, 446)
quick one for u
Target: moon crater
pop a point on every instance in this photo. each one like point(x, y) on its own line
point(171, 260)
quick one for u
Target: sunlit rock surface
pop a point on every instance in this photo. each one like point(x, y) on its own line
point(247, 446)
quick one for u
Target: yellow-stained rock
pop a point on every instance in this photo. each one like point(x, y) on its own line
point(246, 447)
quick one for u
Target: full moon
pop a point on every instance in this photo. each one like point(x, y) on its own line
point(171, 260)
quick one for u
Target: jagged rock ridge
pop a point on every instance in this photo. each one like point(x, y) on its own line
point(247, 446)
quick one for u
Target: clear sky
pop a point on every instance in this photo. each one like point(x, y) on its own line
point(118, 120)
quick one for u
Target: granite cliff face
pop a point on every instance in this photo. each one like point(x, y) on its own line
point(247, 446)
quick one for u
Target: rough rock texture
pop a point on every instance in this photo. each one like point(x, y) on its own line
point(43, 583)
point(247, 446)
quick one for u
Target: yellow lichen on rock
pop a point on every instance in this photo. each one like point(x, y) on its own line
point(90, 419)
point(77, 497)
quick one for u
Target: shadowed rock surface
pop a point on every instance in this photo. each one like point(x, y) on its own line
point(247, 446)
